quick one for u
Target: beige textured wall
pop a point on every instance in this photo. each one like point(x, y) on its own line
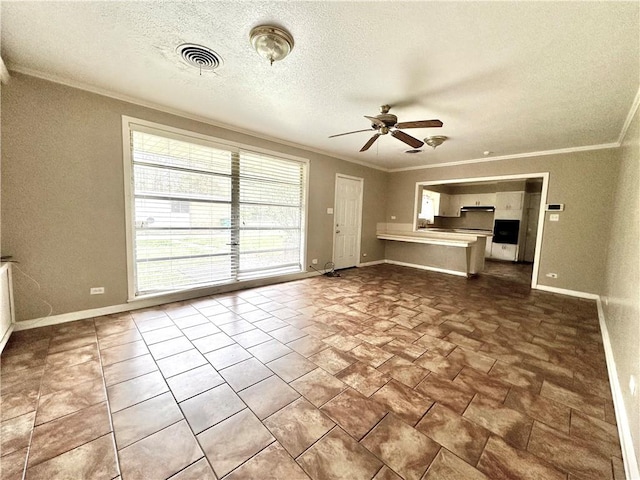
point(622, 279)
point(63, 194)
point(574, 247)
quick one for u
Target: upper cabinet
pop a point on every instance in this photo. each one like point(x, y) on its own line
point(449, 206)
point(436, 204)
point(476, 199)
point(509, 200)
point(509, 205)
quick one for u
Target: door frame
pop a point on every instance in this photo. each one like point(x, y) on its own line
point(517, 176)
point(335, 209)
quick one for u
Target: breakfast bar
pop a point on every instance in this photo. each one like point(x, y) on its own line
point(442, 251)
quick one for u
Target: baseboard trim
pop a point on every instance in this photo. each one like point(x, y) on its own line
point(154, 301)
point(371, 264)
point(7, 334)
point(425, 267)
point(570, 293)
point(629, 459)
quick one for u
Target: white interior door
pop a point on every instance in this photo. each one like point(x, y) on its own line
point(347, 216)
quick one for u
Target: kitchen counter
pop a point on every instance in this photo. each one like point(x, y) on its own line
point(440, 250)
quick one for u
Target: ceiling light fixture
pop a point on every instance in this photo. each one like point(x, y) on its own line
point(435, 140)
point(270, 42)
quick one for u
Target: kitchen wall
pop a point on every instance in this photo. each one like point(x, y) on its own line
point(63, 194)
point(467, 220)
point(574, 247)
point(621, 288)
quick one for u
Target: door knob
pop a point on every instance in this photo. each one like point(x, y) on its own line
point(337, 231)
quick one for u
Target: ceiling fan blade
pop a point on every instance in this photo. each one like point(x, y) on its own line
point(420, 124)
point(408, 139)
point(371, 141)
point(375, 121)
point(349, 133)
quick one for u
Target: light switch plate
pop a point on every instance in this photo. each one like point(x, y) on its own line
point(554, 217)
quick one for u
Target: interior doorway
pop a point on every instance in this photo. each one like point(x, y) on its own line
point(347, 221)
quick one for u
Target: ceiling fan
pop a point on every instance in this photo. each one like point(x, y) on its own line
point(386, 122)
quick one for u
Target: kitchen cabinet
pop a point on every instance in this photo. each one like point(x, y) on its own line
point(449, 206)
point(509, 200)
point(504, 251)
point(476, 199)
point(509, 205)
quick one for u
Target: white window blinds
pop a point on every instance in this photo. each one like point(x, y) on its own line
point(206, 215)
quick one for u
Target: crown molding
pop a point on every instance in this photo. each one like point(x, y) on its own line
point(629, 119)
point(180, 113)
point(542, 153)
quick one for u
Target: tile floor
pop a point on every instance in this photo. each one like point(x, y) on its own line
point(384, 373)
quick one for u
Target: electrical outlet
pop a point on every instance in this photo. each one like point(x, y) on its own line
point(314, 261)
point(364, 254)
point(393, 217)
point(329, 211)
point(554, 217)
point(552, 275)
point(96, 291)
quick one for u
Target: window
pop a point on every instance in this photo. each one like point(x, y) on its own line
point(205, 214)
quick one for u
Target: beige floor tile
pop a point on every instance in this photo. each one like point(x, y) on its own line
point(74, 397)
point(186, 385)
point(447, 466)
point(232, 442)
point(501, 461)
point(66, 433)
point(95, 460)
point(268, 396)
point(211, 407)
point(408, 404)
point(454, 432)
point(128, 369)
point(569, 454)
point(338, 456)
point(227, 356)
point(136, 390)
point(145, 418)
point(333, 360)
point(318, 386)
point(15, 433)
point(363, 378)
point(354, 412)
point(298, 425)
point(200, 470)
point(268, 351)
point(181, 362)
point(244, 374)
point(513, 426)
point(148, 459)
point(291, 366)
point(272, 463)
point(403, 448)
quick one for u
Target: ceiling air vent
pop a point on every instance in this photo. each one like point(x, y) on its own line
point(202, 58)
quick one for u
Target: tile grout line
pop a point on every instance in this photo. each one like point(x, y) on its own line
point(106, 395)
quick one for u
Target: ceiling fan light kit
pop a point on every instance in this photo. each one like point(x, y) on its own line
point(435, 140)
point(386, 122)
point(271, 42)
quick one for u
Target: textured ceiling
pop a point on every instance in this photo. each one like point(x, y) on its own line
point(509, 77)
